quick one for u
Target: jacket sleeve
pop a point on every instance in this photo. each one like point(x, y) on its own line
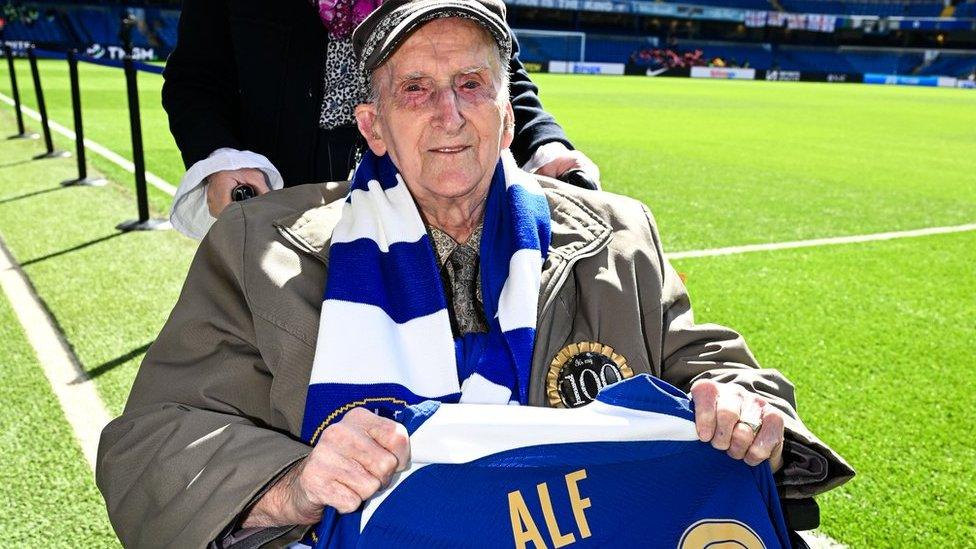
point(196, 442)
point(534, 127)
point(690, 352)
point(200, 91)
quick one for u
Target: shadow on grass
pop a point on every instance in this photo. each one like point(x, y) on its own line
point(115, 362)
point(17, 163)
point(71, 249)
point(30, 194)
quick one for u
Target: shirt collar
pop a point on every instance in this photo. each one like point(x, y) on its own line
point(444, 244)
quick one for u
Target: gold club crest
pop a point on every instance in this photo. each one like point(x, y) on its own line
point(578, 372)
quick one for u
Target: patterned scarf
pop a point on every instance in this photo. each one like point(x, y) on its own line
point(385, 339)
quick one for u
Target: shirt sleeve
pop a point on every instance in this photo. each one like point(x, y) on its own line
point(189, 213)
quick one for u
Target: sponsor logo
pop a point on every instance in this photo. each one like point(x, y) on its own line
point(723, 73)
point(573, 67)
point(836, 77)
point(783, 76)
point(98, 51)
point(18, 45)
point(578, 372)
point(581, 68)
point(533, 67)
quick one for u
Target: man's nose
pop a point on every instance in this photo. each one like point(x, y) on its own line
point(448, 110)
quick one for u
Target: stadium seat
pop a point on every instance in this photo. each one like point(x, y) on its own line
point(880, 9)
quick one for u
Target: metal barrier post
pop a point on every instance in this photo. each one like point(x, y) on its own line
point(21, 132)
point(144, 223)
point(83, 178)
point(51, 153)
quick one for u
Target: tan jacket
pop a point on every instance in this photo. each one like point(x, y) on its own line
point(216, 409)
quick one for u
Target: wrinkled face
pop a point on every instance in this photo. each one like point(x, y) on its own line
point(441, 115)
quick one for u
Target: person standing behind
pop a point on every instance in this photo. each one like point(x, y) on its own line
point(262, 94)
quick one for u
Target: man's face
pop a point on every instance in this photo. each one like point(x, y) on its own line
point(441, 115)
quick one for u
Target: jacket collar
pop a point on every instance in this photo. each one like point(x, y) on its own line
point(577, 231)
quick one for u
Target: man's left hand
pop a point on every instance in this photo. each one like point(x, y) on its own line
point(739, 422)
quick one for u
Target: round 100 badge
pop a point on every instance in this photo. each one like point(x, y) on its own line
point(578, 372)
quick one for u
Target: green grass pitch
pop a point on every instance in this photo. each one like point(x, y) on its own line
point(877, 337)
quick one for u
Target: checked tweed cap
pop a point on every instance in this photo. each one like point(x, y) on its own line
point(379, 35)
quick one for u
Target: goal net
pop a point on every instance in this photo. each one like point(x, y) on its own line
point(545, 45)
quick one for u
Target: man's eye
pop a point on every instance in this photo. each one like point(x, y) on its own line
point(413, 88)
point(471, 85)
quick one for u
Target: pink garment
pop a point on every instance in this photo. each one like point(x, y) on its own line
point(340, 17)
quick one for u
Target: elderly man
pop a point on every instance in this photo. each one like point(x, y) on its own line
point(448, 274)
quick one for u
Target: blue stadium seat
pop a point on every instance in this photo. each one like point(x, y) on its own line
point(881, 9)
point(44, 31)
point(755, 54)
point(966, 9)
point(613, 49)
point(958, 65)
point(813, 59)
point(165, 24)
point(743, 4)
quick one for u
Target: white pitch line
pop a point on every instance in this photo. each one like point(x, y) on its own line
point(731, 250)
point(96, 148)
point(81, 404)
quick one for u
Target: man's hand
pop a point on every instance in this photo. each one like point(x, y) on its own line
point(739, 422)
point(353, 459)
point(569, 160)
point(220, 184)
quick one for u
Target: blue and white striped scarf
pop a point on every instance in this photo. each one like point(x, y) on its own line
point(385, 339)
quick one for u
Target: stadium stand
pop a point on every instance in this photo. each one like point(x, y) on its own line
point(744, 4)
point(967, 9)
point(753, 55)
point(42, 30)
point(616, 49)
point(959, 64)
point(96, 24)
point(610, 37)
point(613, 49)
point(72, 25)
point(881, 9)
point(164, 23)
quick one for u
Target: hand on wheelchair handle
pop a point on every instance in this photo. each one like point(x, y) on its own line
point(578, 178)
point(242, 192)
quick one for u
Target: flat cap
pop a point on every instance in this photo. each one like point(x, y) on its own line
point(379, 35)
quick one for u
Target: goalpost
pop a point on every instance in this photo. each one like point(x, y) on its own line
point(551, 45)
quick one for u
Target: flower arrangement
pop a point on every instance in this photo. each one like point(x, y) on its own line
point(340, 17)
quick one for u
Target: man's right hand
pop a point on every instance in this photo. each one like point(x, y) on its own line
point(220, 184)
point(352, 460)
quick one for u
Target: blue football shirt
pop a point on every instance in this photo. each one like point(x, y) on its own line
point(626, 470)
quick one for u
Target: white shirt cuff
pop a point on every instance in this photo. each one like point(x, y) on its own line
point(189, 213)
point(544, 155)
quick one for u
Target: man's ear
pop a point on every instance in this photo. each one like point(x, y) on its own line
point(508, 126)
point(367, 121)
